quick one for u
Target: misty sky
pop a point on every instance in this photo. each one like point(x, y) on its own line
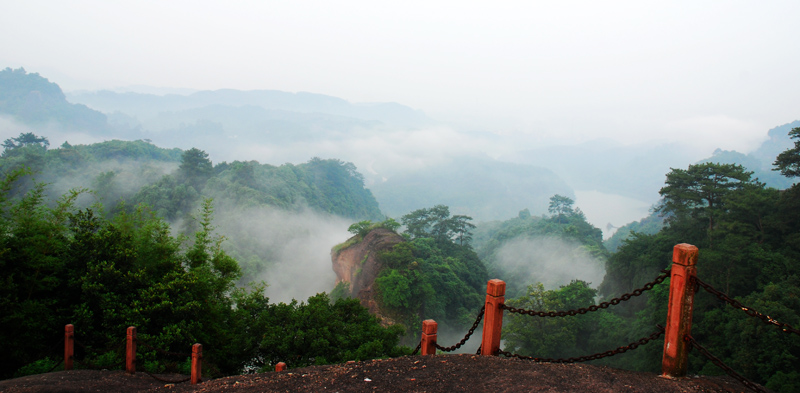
point(720, 71)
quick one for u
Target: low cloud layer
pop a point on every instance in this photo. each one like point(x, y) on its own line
point(377, 153)
point(294, 247)
point(549, 260)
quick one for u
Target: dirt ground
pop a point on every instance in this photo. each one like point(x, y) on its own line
point(442, 373)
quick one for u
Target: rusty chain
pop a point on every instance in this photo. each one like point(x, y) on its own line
point(88, 364)
point(746, 382)
point(416, 350)
point(177, 381)
point(60, 343)
point(595, 356)
point(80, 344)
point(467, 336)
point(60, 362)
point(583, 310)
point(157, 378)
point(749, 311)
point(161, 351)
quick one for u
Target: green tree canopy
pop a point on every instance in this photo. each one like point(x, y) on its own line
point(195, 167)
point(26, 139)
point(560, 205)
point(788, 162)
point(62, 264)
point(699, 192)
point(437, 223)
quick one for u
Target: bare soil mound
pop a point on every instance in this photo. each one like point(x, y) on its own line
point(444, 373)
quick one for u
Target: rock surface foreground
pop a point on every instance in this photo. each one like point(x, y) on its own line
point(443, 373)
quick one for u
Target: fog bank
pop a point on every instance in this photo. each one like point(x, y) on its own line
point(289, 250)
point(549, 260)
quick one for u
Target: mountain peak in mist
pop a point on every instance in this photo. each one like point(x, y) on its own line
point(34, 100)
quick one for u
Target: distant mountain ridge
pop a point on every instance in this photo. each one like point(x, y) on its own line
point(148, 105)
point(760, 160)
point(277, 127)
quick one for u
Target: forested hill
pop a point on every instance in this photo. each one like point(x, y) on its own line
point(172, 181)
point(33, 100)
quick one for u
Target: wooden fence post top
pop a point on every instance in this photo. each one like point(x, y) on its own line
point(280, 366)
point(496, 288)
point(684, 254)
point(197, 348)
point(69, 328)
point(429, 326)
point(132, 331)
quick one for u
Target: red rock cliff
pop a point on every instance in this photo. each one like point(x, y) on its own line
point(358, 265)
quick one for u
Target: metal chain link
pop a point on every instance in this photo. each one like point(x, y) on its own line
point(60, 344)
point(749, 311)
point(138, 364)
point(85, 362)
point(746, 382)
point(60, 362)
point(93, 366)
point(161, 351)
point(584, 310)
point(595, 356)
point(177, 381)
point(416, 350)
point(80, 344)
point(467, 336)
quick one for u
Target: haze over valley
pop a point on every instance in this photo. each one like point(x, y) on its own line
point(408, 159)
point(262, 176)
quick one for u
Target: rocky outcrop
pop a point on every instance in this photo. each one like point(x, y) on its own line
point(357, 264)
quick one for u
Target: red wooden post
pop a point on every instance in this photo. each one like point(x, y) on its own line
point(493, 317)
point(280, 366)
point(130, 351)
point(429, 329)
point(679, 317)
point(197, 363)
point(69, 346)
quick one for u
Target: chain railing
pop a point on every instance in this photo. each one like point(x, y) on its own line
point(467, 336)
point(139, 341)
point(583, 310)
point(746, 382)
point(599, 355)
point(130, 362)
point(53, 349)
point(60, 362)
point(458, 345)
point(748, 310)
point(92, 366)
point(157, 378)
point(684, 259)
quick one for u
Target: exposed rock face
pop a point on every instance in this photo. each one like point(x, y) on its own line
point(358, 265)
